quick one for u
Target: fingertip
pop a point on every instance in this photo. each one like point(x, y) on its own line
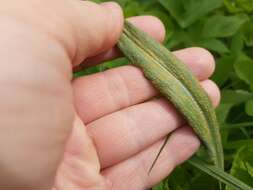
point(205, 57)
point(199, 60)
point(96, 28)
point(115, 23)
point(213, 91)
point(151, 25)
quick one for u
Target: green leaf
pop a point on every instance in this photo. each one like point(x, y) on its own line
point(219, 174)
point(244, 68)
point(237, 125)
point(178, 179)
point(204, 181)
point(235, 96)
point(222, 112)
point(248, 34)
point(133, 8)
point(246, 5)
point(249, 107)
point(237, 43)
point(223, 69)
point(222, 26)
point(121, 2)
point(213, 44)
point(186, 12)
point(250, 169)
point(178, 38)
point(232, 6)
point(229, 98)
point(236, 6)
point(238, 144)
point(243, 165)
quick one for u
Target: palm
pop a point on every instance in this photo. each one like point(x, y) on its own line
point(116, 136)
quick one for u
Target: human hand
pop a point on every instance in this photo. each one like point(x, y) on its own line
point(96, 132)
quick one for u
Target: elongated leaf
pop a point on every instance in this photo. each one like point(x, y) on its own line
point(219, 174)
point(237, 125)
point(238, 144)
point(173, 79)
point(242, 165)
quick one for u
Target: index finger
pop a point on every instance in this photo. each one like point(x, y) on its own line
point(150, 24)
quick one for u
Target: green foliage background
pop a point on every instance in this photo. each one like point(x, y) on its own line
point(226, 29)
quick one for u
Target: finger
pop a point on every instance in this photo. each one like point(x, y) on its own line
point(200, 61)
point(103, 93)
point(79, 165)
point(213, 91)
point(133, 172)
point(157, 31)
point(131, 130)
point(95, 28)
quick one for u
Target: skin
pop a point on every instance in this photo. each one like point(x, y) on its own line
point(99, 132)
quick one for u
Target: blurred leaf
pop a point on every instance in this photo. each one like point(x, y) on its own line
point(244, 68)
point(246, 5)
point(232, 7)
point(178, 179)
point(178, 38)
point(242, 165)
point(187, 12)
point(204, 181)
point(219, 174)
point(222, 112)
point(223, 26)
point(235, 96)
point(250, 168)
point(249, 107)
point(224, 67)
point(132, 8)
point(229, 98)
point(237, 43)
point(122, 2)
point(235, 6)
point(248, 34)
point(213, 44)
point(238, 144)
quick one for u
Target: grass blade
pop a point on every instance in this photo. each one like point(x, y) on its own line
point(219, 174)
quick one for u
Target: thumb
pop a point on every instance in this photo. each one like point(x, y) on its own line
point(39, 39)
point(97, 28)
